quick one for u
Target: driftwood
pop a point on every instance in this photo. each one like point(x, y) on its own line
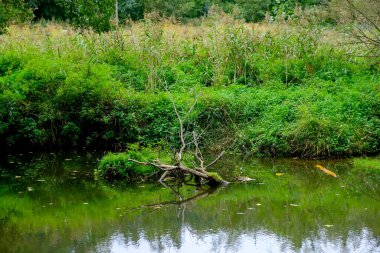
point(178, 170)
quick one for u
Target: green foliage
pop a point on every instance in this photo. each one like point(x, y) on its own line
point(12, 10)
point(83, 14)
point(99, 15)
point(279, 92)
point(48, 9)
point(118, 166)
point(254, 10)
point(133, 9)
point(88, 13)
point(323, 119)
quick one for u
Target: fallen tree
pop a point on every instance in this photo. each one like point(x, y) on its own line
point(178, 170)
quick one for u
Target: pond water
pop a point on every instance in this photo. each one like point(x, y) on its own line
point(51, 203)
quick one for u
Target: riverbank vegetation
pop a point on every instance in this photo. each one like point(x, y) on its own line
point(291, 86)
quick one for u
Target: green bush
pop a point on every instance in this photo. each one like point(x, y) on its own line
point(321, 119)
point(118, 166)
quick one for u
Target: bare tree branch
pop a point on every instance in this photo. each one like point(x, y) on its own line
point(366, 25)
point(216, 159)
point(197, 152)
point(370, 20)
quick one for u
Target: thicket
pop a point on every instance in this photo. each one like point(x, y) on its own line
point(101, 15)
point(289, 88)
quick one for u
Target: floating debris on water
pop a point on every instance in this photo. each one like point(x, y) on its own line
point(328, 225)
point(240, 213)
point(85, 203)
point(17, 176)
point(258, 204)
point(293, 205)
point(328, 172)
point(245, 179)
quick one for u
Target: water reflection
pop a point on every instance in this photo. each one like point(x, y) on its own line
point(302, 210)
point(255, 241)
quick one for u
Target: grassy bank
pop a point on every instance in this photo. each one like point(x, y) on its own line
point(284, 89)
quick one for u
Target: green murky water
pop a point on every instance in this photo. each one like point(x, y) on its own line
point(51, 203)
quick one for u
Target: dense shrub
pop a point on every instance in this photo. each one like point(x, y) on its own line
point(118, 166)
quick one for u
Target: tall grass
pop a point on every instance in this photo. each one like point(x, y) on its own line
point(285, 88)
